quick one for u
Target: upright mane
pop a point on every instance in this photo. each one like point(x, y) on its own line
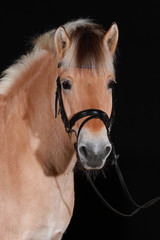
point(86, 51)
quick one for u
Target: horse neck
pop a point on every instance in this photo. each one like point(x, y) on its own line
point(32, 108)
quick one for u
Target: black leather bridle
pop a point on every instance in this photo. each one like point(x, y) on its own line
point(98, 114)
point(90, 113)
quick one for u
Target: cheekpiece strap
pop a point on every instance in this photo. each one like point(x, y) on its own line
point(59, 99)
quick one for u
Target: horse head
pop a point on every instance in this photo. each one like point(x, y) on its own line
point(86, 78)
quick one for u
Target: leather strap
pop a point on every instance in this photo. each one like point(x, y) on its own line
point(126, 192)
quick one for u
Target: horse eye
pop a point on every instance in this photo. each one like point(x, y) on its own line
point(66, 85)
point(111, 83)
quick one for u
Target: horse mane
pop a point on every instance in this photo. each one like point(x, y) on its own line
point(86, 51)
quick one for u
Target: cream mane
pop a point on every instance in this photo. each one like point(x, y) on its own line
point(86, 50)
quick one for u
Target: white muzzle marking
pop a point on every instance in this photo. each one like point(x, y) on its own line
point(93, 149)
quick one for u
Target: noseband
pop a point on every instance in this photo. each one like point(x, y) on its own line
point(97, 114)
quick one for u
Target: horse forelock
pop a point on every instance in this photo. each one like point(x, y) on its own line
point(87, 49)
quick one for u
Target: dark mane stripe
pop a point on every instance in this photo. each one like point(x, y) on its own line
point(89, 47)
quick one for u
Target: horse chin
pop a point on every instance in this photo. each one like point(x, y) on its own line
point(92, 166)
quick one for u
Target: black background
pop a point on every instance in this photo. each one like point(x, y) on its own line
point(136, 129)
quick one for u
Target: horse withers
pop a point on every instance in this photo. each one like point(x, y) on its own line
point(37, 155)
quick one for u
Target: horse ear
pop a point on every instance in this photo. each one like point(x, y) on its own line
point(62, 40)
point(111, 37)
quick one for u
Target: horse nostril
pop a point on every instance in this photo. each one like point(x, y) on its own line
point(108, 150)
point(83, 151)
point(88, 152)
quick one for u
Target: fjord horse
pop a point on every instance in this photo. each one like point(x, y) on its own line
point(37, 156)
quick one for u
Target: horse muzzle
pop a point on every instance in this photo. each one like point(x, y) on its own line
point(93, 150)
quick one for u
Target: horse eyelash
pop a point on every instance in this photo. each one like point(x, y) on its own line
point(111, 83)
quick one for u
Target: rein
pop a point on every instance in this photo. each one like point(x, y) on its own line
point(98, 114)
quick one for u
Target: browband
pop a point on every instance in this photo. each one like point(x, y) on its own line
point(78, 66)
